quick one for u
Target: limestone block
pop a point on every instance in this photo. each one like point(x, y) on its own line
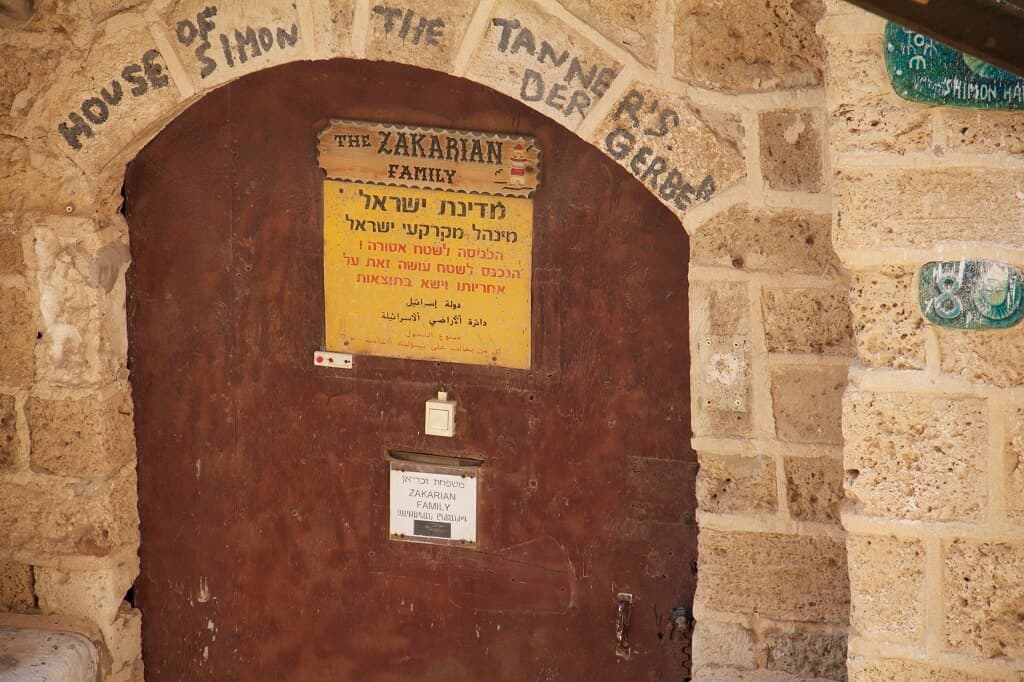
point(54, 517)
point(88, 437)
point(218, 42)
point(725, 644)
point(814, 488)
point(682, 152)
point(735, 483)
point(887, 324)
point(1015, 462)
point(47, 656)
point(17, 336)
point(40, 177)
point(887, 582)
point(714, 673)
point(791, 154)
point(915, 456)
point(784, 577)
point(634, 25)
point(17, 587)
point(807, 320)
point(123, 639)
point(865, 114)
point(428, 36)
point(122, 89)
point(720, 308)
point(980, 132)
point(989, 357)
point(543, 62)
point(94, 596)
point(332, 20)
point(720, 382)
point(875, 669)
point(984, 597)
point(781, 241)
point(12, 253)
point(807, 402)
point(80, 281)
point(807, 653)
point(739, 46)
point(28, 68)
point(887, 207)
point(8, 432)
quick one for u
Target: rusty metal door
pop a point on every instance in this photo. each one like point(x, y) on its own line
point(263, 480)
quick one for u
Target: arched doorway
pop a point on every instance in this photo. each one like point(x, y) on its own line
point(264, 480)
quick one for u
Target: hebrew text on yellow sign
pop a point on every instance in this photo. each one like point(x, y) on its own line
point(427, 274)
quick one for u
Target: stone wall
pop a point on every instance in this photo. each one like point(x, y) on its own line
point(932, 417)
point(717, 105)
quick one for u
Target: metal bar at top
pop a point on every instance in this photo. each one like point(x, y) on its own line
point(990, 29)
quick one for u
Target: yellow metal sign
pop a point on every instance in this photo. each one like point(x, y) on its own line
point(427, 274)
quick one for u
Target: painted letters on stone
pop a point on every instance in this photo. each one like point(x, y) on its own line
point(428, 241)
point(971, 294)
point(922, 69)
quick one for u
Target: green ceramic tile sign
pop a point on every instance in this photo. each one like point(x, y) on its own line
point(971, 294)
point(924, 70)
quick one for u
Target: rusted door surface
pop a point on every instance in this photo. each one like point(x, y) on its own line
point(263, 480)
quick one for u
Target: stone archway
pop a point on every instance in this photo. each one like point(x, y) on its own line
point(764, 279)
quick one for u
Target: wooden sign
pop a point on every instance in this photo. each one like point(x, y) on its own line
point(415, 272)
point(430, 158)
point(922, 69)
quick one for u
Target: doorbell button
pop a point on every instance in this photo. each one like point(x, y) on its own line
point(440, 416)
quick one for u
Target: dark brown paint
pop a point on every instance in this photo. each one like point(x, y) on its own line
point(263, 480)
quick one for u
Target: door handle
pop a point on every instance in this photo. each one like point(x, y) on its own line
point(624, 601)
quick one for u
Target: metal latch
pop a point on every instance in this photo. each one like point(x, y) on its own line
point(623, 614)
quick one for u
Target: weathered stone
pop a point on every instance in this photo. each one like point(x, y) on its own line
point(807, 321)
point(634, 25)
point(915, 456)
point(77, 346)
point(54, 517)
point(1015, 462)
point(807, 402)
point(27, 69)
point(123, 88)
point(17, 337)
point(738, 46)
point(38, 177)
point(814, 488)
point(988, 357)
point(719, 423)
point(887, 582)
point(521, 55)
point(720, 308)
point(984, 597)
point(734, 483)
point(333, 20)
point(976, 132)
point(875, 669)
point(886, 207)
point(865, 113)
point(8, 432)
point(12, 256)
point(428, 36)
point(88, 437)
point(17, 587)
point(887, 327)
point(724, 644)
point(220, 42)
point(784, 577)
point(683, 153)
point(806, 653)
point(780, 241)
point(47, 656)
point(791, 154)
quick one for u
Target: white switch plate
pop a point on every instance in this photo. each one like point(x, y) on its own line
point(322, 358)
point(439, 419)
